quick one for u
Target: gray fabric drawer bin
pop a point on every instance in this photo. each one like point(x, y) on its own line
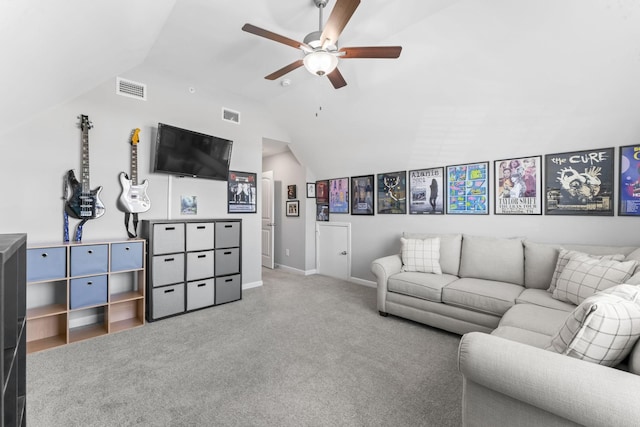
point(199, 265)
point(228, 289)
point(227, 261)
point(199, 236)
point(200, 294)
point(168, 300)
point(168, 238)
point(167, 269)
point(227, 234)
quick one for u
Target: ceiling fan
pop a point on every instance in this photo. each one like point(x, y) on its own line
point(320, 48)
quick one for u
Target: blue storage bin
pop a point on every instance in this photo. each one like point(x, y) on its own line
point(46, 264)
point(89, 259)
point(87, 291)
point(126, 256)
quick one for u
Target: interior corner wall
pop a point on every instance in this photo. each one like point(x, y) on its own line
point(290, 231)
point(36, 156)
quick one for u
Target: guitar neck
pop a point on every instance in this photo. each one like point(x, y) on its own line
point(134, 164)
point(86, 188)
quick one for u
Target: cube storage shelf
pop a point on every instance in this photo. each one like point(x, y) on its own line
point(13, 329)
point(77, 291)
point(192, 264)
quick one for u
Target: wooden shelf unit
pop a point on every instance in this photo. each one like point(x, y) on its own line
point(77, 291)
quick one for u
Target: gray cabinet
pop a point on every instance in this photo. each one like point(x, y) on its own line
point(13, 331)
point(192, 264)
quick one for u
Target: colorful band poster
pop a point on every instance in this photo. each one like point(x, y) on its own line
point(339, 195)
point(426, 190)
point(518, 186)
point(468, 189)
point(580, 182)
point(629, 199)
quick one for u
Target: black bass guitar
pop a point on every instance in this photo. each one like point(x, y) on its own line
point(83, 202)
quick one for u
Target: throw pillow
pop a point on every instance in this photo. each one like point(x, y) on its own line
point(563, 259)
point(421, 255)
point(583, 276)
point(603, 329)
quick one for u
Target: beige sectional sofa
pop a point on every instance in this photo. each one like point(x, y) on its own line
point(496, 292)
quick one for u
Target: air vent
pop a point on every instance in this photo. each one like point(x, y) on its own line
point(230, 116)
point(131, 89)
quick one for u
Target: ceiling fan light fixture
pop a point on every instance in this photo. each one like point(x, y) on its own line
point(320, 62)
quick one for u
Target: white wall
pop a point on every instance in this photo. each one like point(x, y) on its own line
point(36, 156)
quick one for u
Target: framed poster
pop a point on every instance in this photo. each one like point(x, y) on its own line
point(339, 195)
point(242, 192)
point(291, 192)
point(362, 196)
point(518, 186)
point(580, 182)
point(322, 212)
point(311, 190)
point(425, 191)
point(292, 208)
point(468, 189)
point(392, 193)
point(629, 190)
point(322, 192)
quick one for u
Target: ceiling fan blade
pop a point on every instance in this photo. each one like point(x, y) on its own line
point(284, 70)
point(273, 36)
point(371, 52)
point(338, 19)
point(336, 79)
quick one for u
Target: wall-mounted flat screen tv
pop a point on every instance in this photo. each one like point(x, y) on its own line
point(187, 153)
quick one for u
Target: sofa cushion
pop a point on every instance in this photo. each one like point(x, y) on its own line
point(543, 320)
point(565, 255)
point(543, 298)
point(523, 336)
point(450, 247)
point(421, 255)
point(486, 296)
point(603, 328)
point(633, 361)
point(539, 263)
point(491, 258)
point(420, 285)
point(583, 276)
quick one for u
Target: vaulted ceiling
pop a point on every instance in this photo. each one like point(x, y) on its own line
point(464, 64)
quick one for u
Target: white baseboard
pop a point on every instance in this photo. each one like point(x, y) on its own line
point(295, 270)
point(252, 285)
point(363, 282)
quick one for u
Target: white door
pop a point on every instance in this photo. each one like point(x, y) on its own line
point(333, 249)
point(267, 219)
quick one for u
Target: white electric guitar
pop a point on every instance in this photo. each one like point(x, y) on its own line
point(134, 197)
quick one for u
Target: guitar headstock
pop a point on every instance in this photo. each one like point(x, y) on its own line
point(85, 123)
point(135, 138)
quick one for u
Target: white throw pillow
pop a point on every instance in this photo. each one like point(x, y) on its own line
point(565, 255)
point(583, 276)
point(421, 255)
point(603, 329)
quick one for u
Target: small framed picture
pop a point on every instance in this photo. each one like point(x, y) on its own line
point(392, 193)
point(292, 208)
point(580, 182)
point(242, 192)
point(518, 186)
point(426, 188)
point(362, 195)
point(468, 189)
point(322, 192)
point(291, 192)
point(311, 190)
point(629, 189)
point(322, 212)
point(339, 195)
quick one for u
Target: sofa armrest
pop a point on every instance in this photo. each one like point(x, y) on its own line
point(579, 391)
point(383, 268)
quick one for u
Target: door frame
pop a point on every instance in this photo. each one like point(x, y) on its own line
point(346, 225)
point(271, 226)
